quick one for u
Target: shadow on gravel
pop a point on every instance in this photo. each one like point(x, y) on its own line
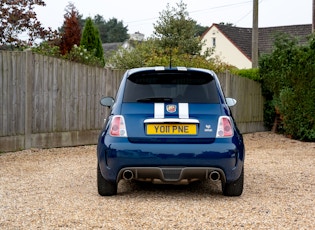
point(201, 188)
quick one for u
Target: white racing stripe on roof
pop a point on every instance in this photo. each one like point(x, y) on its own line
point(181, 68)
point(183, 110)
point(158, 110)
point(158, 68)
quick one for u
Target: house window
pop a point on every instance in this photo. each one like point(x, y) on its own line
point(213, 42)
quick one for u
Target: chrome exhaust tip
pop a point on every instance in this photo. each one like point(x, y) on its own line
point(128, 175)
point(214, 176)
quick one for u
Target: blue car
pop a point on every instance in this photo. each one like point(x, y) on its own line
point(170, 125)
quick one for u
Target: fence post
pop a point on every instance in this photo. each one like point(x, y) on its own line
point(28, 99)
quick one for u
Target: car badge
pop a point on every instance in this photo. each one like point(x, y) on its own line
point(208, 128)
point(171, 108)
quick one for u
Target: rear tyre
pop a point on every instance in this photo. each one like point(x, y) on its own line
point(234, 188)
point(104, 187)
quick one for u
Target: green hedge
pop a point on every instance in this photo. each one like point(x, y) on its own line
point(288, 80)
point(248, 73)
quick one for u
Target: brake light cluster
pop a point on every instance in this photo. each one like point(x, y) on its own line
point(225, 128)
point(118, 127)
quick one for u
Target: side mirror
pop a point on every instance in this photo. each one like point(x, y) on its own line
point(107, 101)
point(230, 101)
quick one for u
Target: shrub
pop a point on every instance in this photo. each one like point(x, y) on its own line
point(288, 77)
point(248, 73)
point(77, 54)
point(82, 55)
point(91, 40)
point(149, 53)
point(46, 49)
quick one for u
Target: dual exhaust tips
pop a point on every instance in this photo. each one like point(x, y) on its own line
point(213, 175)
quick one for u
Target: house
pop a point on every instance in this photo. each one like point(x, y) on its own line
point(110, 48)
point(233, 45)
point(137, 36)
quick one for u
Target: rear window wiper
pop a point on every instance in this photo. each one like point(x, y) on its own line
point(155, 99)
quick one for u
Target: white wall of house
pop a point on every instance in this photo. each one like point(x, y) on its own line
point(225, 49)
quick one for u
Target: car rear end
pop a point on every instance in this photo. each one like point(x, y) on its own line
point(170, 125)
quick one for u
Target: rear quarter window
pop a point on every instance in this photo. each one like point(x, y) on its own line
point(179, 86)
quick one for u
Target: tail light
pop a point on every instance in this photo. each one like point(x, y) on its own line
point(118, 127)
point(225, 128)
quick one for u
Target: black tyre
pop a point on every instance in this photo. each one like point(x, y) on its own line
point(234, 188)
point(104, 187)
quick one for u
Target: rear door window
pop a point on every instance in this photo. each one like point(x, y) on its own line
point(171, 86)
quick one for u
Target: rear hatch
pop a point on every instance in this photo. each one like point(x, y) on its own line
point(171, 107)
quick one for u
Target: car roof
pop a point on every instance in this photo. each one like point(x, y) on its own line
point(162, 68)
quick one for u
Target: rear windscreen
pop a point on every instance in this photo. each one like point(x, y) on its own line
point(181, 87)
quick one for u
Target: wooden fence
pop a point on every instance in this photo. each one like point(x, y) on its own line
point(248, 112)
point(48, 102)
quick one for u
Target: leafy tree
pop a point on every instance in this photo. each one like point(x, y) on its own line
point(99, 52)
point(134, 57)
point(115, 31)
point(200, 30)
point(111, 30)
point(88, 39)
point(71, 30)
point(288, 76)
point(18, 20)
point(149, 53)
point(91, 40)
point(175, 29)
point(175, 42)
point(80, 19)
point(100, 23)
point(89, 52)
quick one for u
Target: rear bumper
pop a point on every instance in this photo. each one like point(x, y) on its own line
point(171, 174)
point(170, 162)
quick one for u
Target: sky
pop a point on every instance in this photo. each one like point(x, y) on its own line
point(140, 15)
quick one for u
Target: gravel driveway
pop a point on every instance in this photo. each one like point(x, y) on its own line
point(56, 189)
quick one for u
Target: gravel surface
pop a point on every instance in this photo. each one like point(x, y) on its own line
point(56, 189)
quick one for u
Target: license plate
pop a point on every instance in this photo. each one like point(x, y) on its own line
point(171, 129)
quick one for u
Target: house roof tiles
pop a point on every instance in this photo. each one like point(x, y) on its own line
point(242, 37)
